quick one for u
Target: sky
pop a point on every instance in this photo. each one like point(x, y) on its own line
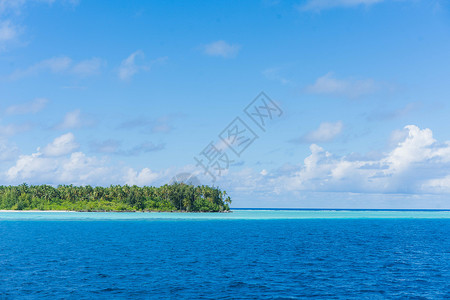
point(308, 103)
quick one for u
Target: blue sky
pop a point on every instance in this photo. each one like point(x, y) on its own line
point(127, 92)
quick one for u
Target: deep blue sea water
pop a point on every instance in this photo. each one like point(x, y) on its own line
point(241, 255)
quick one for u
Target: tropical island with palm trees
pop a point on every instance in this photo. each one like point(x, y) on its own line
point(177, 197)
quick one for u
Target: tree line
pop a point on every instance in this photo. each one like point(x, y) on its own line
point(174, 197)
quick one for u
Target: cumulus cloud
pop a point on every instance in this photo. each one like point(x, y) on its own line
point(82, 169)
point(77, 168)
point(222, 49)
point(397, 136)
point(417, 164)
point(29, 166)
point(30, 107)
point(352, 88)
point(317, 5)
point(61, 145)
point(245, 180)
point(60, 163)
point(326, 132)
point(144, 177)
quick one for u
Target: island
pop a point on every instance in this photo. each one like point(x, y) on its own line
point(177, 197)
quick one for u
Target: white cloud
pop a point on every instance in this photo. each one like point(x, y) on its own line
point(30, 107)
point(74, 119)
point(326, 132)
point(439, 185)
point(6, 5)
point(61, 65)
point(13, 129)
point(11, 28)
point(415, 148)
point(397, 136)
point(28, 166)
point(221, 48)
point(61, 145)
point(88, 67)
point(274, 74)
point(130, 66)
point(53, 65)
point(76, 168)
point(71, 120)
point(8, 151)
point(16, 6)
point(60, 162)
point(317, 5)
point(7, 31)
point(352, 88)
point(144, 177)
point(81, 169)
point(417, 164)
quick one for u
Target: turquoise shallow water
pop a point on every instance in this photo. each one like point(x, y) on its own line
point(235, 215)
point(240, 255)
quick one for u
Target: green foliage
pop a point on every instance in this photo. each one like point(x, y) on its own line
point(175, 197)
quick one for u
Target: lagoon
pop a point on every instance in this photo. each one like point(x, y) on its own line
point(236, 214)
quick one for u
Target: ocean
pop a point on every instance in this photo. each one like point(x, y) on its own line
point(246, 254)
